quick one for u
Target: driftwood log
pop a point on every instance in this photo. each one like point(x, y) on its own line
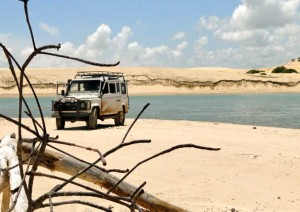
point(5, 188)
point(65, 164)
point(9, 159)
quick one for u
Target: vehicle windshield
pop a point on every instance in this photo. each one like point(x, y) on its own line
point(86, 86)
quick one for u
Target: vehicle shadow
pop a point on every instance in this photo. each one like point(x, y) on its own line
point(85, 128)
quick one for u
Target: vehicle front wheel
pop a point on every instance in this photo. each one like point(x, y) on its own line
point(92, 124)
point(120, 119)
point(60, 123)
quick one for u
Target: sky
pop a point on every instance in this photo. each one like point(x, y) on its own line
point(165, 33)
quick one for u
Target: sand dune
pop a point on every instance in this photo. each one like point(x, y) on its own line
point(256, 169)
point(155, 80)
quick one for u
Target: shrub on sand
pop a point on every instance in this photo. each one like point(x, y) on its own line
point(254, 71)
point(290, 70)
point(279, 69)
point(282, 69)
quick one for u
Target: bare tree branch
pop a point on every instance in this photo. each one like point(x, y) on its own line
point(124, 145)
point(28, 22)
point(11, 67)
point(38, 202)
point(144, 108)
point(79, 202)
point(20, 125)
point(83, 147)
point(83, 161)
point(81, 60)
point(162, 153)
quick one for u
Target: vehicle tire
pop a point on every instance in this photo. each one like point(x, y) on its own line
point(92, 124)
point(60, 123)
point(120, 120)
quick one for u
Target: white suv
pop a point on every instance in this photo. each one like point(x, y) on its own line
point(91, 96)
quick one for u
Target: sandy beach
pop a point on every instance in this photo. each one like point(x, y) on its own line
point(257, 169)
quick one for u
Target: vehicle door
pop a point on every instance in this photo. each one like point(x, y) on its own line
point(124, 96)
point(111, 99)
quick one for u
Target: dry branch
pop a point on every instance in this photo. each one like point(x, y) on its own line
point(68, 165)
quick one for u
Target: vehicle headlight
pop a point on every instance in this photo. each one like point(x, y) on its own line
point(85, 105)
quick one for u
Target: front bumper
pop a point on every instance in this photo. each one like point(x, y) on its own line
point(71, 115)
point(71, 109)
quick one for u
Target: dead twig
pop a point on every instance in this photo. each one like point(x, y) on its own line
point(79, 202)
point(162, 153)
point(138, 116)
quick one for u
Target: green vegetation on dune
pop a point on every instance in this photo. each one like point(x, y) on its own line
point(282, 69)
point(254, 71)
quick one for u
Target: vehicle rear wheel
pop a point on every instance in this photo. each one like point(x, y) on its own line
point(120, 120)
point(92, 124)
point(60, 123)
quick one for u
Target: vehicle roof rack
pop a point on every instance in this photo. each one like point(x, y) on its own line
point(96, 74)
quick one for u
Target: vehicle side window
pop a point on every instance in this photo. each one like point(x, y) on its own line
point(118, 87)
point(123, 88)
point(112, 87)
point(105, 89)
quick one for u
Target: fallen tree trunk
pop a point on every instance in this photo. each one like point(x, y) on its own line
point(3, 181)
point(65, 164)
point(9, 159)
point(5, 199)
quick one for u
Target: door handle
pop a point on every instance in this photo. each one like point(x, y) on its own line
point(118, 100)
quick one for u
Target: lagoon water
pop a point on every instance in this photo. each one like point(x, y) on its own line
point(275, 110)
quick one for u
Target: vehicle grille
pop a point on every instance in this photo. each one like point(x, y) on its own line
point(68, 106)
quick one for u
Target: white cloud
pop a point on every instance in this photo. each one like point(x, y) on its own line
point(101, 46)
point(292, 29)
point(254, 20)
point(259, 33)
point(26, 52)
point(261, 14)
point(182, 45)
point(235, 36)
point(179, 36)
point(179, 49)
point(201, 42)
point(13, 44)
point(211, 23)
point(48, 29)
point(4, 36)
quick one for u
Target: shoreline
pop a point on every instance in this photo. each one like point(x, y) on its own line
point(105, 122)
point(229, 92)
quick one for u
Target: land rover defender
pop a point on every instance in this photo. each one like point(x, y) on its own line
point(91, 96)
